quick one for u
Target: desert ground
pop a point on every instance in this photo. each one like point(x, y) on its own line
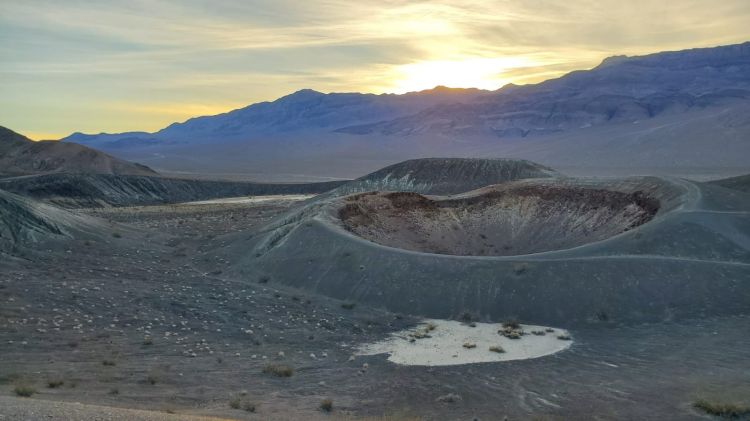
point(148, 323)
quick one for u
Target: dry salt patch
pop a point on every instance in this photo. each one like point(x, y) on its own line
point(448, 342)
point(253, 199)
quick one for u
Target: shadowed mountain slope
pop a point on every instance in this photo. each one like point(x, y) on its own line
point(679, 111)
point(19, 155)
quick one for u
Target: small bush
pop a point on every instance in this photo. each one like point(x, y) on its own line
point(114, 391)
point(497, 348)
point(512, 324)
point(466, 317)
point(469, 345)
point(237, 403)
point(724, 410)
point(24, 391)
point(563, 337)
point(520, 268)
point(148, 341)
point(348, 306)
point(109, 363)
point(279, 370)
point(152, 379)
point(52, 384)
point(116, 235)
point(326, 405)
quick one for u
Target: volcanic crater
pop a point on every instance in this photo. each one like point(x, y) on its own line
point(498, 220)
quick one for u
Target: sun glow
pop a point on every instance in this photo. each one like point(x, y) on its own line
point(482, 73)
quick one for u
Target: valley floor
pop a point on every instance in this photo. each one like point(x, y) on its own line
point(151, 320)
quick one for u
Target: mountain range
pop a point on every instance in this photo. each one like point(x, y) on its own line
point(683, 112)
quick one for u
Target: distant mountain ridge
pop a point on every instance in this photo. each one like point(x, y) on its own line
point(20, 155)
point(671, 109)
point(302, 110)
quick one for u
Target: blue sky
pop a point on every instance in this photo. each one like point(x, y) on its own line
point(114, 66)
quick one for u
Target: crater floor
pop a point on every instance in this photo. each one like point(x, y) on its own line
point(496, 221)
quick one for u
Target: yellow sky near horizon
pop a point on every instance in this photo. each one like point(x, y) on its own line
point(113, 66)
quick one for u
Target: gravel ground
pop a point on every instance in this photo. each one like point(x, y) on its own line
point(36, 409)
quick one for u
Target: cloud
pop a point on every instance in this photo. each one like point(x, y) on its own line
point(186, 52)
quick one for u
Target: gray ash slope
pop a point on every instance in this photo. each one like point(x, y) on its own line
point(24, 221)
point(19, 155)
point(741, 183)
point(446, 175)
point(96, 190)
point(689, 259)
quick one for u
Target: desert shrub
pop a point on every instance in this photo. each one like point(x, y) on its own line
point(114, 391)
point(563, 337)
point(602, 316)
point(348, 306)
point(238, 403)
point(108, 363)
point(512, 324)
point(469, 345)
point(497, 348)
point(520, 268)
point(326, 405)
point(148, 341)
point(720, 409)
point(466, 317)
point(279, 370)
point(152, 379)
point(55, 383)
point(24, 390)
point(116, 235)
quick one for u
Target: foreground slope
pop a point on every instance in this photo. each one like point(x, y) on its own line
point(19, 155)
point(157, 319)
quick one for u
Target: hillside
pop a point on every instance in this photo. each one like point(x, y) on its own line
point(741, 183)
point(101, 190)
point(21, 156)
point(446, 175)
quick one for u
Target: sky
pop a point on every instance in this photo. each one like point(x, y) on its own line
point(114, 66)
